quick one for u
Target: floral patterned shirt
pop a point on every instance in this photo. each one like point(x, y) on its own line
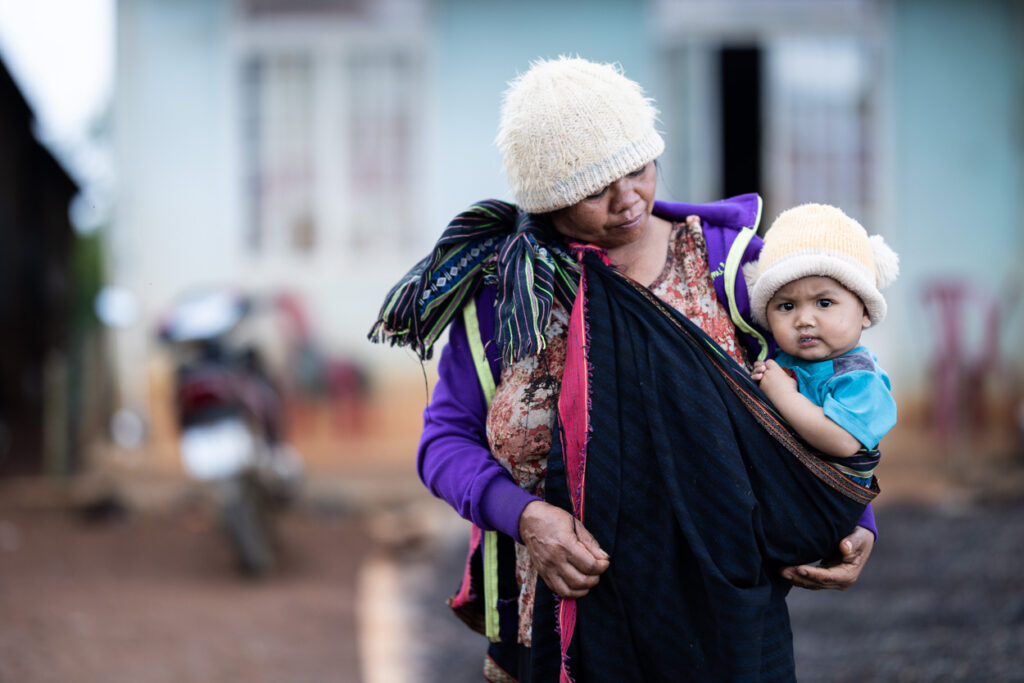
point(522, 414)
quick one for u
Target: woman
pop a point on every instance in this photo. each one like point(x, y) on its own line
point(569, 313)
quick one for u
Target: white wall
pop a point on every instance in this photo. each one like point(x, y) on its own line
point(173, 221)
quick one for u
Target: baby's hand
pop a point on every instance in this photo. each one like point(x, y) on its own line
point(774, 379)
point(758, 371)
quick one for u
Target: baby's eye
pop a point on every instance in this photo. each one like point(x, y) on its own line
point(787, 306)
point(824, 303)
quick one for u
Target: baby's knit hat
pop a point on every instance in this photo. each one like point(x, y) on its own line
point(571, 127)
point(816, 239)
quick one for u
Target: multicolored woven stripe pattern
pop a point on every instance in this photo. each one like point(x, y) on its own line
point(860, 467)
point(532, 267)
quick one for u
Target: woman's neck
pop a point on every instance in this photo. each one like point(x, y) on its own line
point(644, 259)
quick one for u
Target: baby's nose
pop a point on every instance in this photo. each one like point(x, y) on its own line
point(804, 318)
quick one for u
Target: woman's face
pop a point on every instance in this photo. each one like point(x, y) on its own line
point(615, 216)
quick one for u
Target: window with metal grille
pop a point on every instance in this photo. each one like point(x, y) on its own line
point(331, 134)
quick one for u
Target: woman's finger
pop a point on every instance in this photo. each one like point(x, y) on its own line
point(587, 556)
point(566, 580)
point(837, 575)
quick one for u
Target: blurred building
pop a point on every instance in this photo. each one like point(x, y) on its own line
point(318, 146)
point(37, 243)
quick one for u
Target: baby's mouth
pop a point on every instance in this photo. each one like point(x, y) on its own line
point(807, 341)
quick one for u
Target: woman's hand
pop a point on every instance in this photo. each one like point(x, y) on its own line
point(566, 556)
point(838, 574)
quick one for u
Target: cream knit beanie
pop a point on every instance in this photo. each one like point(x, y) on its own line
point(816, 239)
point(569, 128)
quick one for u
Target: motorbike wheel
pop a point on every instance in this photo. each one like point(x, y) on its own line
point(246, 522)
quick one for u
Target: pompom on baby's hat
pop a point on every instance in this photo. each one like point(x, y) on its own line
point(571, 127)
point(817, 239)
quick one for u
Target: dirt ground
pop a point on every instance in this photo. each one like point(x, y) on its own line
point(155, 599)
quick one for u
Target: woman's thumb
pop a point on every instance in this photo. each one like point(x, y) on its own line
point(589, 542)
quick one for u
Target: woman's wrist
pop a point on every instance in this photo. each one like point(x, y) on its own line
point(867, 521)
point(502, 505)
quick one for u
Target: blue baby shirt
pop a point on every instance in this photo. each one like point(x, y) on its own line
point(854, 392)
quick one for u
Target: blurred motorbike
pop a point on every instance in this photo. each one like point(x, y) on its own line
point(231, 419)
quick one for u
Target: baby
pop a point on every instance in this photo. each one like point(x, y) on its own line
point(816, 287)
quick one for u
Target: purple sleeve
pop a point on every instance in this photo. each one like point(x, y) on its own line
point(453, 459)
point(867, 520)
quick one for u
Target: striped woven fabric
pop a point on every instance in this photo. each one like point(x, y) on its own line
point(860, 466)
point(531, 267)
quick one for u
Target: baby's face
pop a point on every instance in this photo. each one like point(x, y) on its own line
point(816, 318)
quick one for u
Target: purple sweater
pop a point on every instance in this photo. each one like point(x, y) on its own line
point(453, 458)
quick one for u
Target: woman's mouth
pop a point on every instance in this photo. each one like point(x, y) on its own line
point(629, 225)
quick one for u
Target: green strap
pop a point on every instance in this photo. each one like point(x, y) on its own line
point(732, 268)
point(483, 372)
point(491, 625)
point(476, 347)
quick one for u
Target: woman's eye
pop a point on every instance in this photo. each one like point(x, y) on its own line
point(639, 171)
point(597, 195)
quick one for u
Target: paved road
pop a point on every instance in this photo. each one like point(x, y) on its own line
point(942, 599)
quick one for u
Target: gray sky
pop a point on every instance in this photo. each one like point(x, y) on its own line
point(61, 53)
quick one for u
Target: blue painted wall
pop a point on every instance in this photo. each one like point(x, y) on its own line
point(958, 160)
point(954, 116)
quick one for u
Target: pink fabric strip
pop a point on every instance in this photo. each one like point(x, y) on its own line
point(574, 411)
point(465, 593)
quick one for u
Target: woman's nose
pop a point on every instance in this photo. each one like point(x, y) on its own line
point(623, 194)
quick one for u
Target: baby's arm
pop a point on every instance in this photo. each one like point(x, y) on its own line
point(807, 419)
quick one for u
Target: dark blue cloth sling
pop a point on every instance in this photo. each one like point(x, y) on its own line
point(699, 493)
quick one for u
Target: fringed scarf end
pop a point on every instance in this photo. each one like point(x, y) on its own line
point(491, 238)
point(381, 334)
